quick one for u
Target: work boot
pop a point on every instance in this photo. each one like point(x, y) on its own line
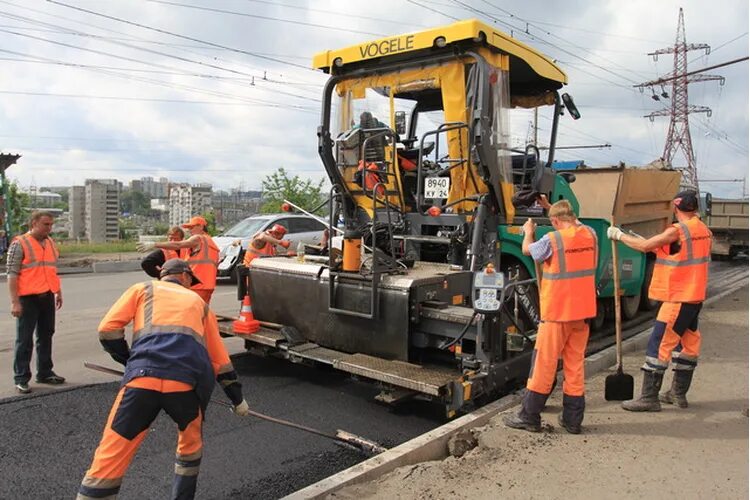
point(571, 428)
point(649, 400)
point(680, 385)
point(529, 417)
point(572, 415)
point(23, 388)
point(53, 379)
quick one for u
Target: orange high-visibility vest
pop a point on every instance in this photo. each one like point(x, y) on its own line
point(251, 253)
point(175, 336)
point(169, 254)
point(38, 267)
point(203, 261)
point(568, 276)
point(683, 277)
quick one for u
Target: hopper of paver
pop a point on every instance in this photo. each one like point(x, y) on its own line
point(639, 199)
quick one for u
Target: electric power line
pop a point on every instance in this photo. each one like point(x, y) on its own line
point(177, 35)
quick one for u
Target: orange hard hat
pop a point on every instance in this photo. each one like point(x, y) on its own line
point(278, 229)
point(195, 221)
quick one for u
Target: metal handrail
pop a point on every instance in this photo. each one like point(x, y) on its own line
point(445, 127)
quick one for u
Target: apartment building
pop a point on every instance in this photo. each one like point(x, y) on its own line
point(102, 202)
point(77, 212)
point(155, 188)
point(186, 201)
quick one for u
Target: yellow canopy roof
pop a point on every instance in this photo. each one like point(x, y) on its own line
point(468, 31)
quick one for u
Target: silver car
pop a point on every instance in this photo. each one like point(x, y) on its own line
point(234, 241)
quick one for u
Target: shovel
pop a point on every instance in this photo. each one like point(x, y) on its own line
point(619, 385)
point(357, 442)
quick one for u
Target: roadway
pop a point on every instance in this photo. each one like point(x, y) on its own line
point(47, 438)
point(86, 298)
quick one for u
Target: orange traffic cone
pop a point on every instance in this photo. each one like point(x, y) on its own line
point(246, 323)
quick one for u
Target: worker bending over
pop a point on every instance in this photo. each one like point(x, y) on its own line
point(203, 255)
point(173, 361)
point(152, 262)
point(568, 299)
point(680, 278)
point(264, 244)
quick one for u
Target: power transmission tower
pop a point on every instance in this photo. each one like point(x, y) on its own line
point(678, 136)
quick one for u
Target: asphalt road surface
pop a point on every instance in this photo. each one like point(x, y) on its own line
point(47, 439)
point(86, 297)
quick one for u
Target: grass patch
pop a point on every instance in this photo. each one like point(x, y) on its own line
point(88, 248)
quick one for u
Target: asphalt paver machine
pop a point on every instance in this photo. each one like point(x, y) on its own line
point(416, 139)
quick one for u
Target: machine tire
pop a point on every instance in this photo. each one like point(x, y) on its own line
point(646, 303)
point(523, 274)
point(597, 322)
point(629, 305)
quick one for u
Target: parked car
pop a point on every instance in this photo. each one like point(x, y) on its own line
point(233, 242)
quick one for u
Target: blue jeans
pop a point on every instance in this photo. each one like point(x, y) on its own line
point(38, 313)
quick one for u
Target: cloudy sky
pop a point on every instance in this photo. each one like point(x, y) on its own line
point(220, 91)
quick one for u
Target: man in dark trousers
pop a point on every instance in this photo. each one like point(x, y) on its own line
point(679, 282)
point(173, 362)
point(35, 295)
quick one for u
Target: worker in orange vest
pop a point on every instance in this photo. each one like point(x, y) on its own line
point(567, 299)
point(152, 262)
point(203, 255)
point(173, 362)
point(679, 281)
point(35, 295)
point(264, 244)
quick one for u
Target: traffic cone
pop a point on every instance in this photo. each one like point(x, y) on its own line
point(246, 323)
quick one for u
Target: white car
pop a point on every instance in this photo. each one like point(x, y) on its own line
point(234, 241)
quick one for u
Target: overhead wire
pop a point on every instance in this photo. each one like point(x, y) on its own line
point(156, 82)
point(542, 40)
point(153, 42)
point(177, 35)
point(142, 49)
point(335, 13)
point(265, 18)
point(414, 2)
point(150, 99)
point(184, 47)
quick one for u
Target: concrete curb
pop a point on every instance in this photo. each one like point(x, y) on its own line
point(109, 266)
point(429, 446)
point(433, 445)
point(105, 266)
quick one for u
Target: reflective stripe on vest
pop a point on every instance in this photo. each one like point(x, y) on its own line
point(570, 294)
point(562, 265)
point(690, 260)
point(683, 277)
point(149, 328)
point(38, 266)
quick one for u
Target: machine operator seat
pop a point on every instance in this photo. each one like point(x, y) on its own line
point(408, 161)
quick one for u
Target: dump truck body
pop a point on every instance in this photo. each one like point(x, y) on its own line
point(728, 222)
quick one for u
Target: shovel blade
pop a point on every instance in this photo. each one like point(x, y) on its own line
point(618, 387)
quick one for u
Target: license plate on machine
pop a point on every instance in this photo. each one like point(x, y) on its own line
point(437, 187)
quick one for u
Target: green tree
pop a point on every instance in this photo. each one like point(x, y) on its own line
point(18, 214)
point(280, 186)
point(135, 203)
point(210, 222)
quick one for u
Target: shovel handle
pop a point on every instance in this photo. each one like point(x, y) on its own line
point(618, 310)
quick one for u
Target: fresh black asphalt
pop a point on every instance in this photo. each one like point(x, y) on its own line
point(47, 442)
